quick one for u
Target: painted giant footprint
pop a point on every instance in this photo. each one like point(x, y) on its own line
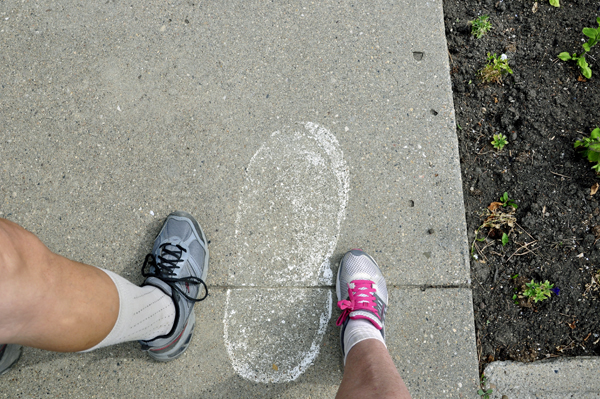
point(290, 211)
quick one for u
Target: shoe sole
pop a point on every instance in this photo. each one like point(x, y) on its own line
point(12, 354)
point(180, 346)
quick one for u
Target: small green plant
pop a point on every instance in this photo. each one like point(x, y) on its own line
point(515, 299)
point(481, 392)
point(591, 148)
point(538, 291)
point(480, 26)
point(583, 65)
point(499, 141)
point(555, 3)
point(507, 201)
point(504, 239)
point(495, 69)
point(515, 276)
point(594, 37)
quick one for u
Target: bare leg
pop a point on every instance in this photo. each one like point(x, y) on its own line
point(48, 301)
point(371, 373)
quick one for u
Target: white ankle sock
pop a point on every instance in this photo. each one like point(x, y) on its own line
point(144, 313)
point(358, 330)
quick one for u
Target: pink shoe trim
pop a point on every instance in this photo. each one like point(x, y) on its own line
point(360, 298)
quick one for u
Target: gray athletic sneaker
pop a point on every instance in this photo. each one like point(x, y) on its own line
point(361, 291)
point(177, 265)
point(9, 354)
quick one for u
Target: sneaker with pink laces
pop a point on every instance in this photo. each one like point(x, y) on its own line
point(362, 294)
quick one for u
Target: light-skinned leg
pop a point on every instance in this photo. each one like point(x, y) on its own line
point(48, 301)
point(371, 373)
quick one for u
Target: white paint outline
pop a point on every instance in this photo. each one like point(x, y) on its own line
point(297, 371)
point(328, 145)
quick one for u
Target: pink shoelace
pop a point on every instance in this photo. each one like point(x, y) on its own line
point(361, 298)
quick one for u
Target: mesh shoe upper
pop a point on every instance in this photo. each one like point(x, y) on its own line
point(179, 230)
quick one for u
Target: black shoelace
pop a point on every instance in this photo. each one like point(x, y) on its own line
point(164, 269)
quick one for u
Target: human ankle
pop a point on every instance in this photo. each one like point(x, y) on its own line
point(357, 331)
point(144, 313)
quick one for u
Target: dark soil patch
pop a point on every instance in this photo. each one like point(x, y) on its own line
point(542, 108)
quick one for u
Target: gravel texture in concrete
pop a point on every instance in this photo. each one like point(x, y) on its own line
point(561, 378)
point(431, 338)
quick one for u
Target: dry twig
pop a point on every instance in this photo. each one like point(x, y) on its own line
point(528, 250)
point(558, 174)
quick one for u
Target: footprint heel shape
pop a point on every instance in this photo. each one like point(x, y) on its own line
point(291, 208)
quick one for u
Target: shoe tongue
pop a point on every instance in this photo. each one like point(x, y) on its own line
point(171, 246)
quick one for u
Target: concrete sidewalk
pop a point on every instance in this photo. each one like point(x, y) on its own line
point(561, 378)
point(293, 132)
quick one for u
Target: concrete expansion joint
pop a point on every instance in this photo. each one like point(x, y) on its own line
point(266, 287)
point(422, 287)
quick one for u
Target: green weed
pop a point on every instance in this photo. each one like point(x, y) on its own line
point(495, 69)
point(515, 299)
point(481, 392)
point(480, 26)
point(591, 148)
point(538, 291)
point(594, 37)
point(499, 141)
point(507, 201)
